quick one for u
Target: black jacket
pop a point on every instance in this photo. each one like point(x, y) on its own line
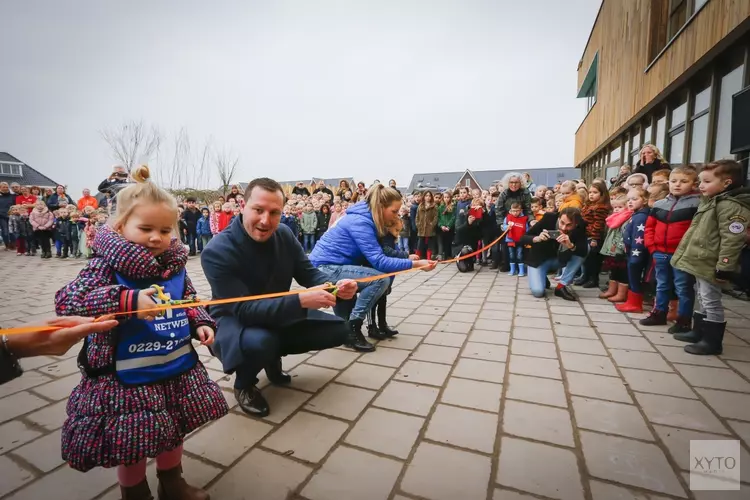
point(301, 191)
point(323, 220)
point(507, 198)
point(7, 200)
point(650, 168)
point(327, 191)
point(551, 249)
point(191, 219)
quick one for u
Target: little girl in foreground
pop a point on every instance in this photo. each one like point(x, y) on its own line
point(143, 388)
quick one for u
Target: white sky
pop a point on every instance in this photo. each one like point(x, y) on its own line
point(296, 88)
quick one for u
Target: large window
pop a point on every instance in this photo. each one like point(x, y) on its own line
point(731, 83)
point(10, 169)
point(699, 125)
point(678, 116)
point(634, 147)
point(661, 132)
point(668, 17)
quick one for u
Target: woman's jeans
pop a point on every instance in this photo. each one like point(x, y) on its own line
point(309, 242)
point(403, 244)
point(538, 275)
point(709, 300)
point(4, 232)
point(368, 293)
point(667, 279)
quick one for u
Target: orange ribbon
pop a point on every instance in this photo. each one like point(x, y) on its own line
point(203, 303)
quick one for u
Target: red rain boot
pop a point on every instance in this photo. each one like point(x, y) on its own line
point(634, 303)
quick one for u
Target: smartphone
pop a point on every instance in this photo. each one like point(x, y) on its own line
point(553, 233)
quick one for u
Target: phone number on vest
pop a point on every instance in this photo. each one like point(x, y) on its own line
point(155, 346)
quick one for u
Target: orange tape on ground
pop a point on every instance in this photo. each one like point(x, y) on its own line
point(203, 303)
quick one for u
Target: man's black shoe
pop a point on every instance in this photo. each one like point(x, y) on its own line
point(276, 374)
point(564, 293)
point(252, 402)
point(374, 333)
point(580, 280)
point(591, 284)
point(355, 339)
point(494, 265)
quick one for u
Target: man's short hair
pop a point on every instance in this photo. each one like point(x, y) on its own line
point(189, 199)
point(572, 213)
point(513, 206)
point(266, 184)
point(726, 169)
point(535, 201)
point(688, 170)
point(664, 172)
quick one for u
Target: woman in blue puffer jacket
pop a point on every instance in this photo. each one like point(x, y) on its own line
point(351, 241)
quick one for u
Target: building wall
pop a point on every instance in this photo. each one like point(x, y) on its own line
point(621, 37)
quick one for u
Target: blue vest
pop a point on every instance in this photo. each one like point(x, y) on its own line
point(153, 351)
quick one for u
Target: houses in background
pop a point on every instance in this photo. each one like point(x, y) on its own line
point(14, 170)
point(482, 179)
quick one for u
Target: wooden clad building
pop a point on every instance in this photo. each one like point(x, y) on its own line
point(661, 72)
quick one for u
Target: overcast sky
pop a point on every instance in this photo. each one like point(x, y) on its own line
point(296, 88)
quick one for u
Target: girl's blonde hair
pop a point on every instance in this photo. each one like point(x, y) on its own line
point(142, 191)
point(378, 198)
point(619, 200)
point(642, 193)
point(395, 228)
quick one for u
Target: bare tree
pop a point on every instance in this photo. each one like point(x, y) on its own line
point(132, 142)
point(226, 164)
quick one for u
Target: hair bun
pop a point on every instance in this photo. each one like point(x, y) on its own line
point(141, 173)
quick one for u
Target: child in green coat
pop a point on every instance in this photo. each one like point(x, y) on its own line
point(710, 250)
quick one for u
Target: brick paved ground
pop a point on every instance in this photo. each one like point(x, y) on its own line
point(487, 393)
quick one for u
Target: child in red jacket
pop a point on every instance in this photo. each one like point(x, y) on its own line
point(516, 224)
point(667, 223)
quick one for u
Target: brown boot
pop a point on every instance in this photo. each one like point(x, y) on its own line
point(672, 314)
point(140, 491)
point(172, 486)
point(621, 295)
point(611, 291)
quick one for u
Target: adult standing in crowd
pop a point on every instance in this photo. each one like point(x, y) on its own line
point(112, 185)
point(392, 184)
point(515, 193)
point(622, 176)
point(323, 189)
point(53, 202)
point(300, 189)
point(255, 255)
point(349, 247)
point(235, 194)
point(361, 192)
point(343, 188)
point(15, 188)
point(558, 240)
point(650, 160)
point(530, 185)
point(87, 201)
point(7, 200)
point(26, 200)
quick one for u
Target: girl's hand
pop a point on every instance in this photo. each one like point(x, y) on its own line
point(593, 244)
point(147, 305)
point(205, 334)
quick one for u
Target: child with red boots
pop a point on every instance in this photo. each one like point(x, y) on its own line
point(635, 249)
point(516, 224)
point(667, 223)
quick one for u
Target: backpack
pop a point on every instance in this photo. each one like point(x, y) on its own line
point(465, 265)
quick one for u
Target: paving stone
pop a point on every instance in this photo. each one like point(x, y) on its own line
point(678, 412)
point(408, 398)
point(736, 353)
point(605, 491)
point(641, 360)
point(67, 484)
point(283, 402)
point(714, 378)
point(459, 327)
point(588, 363)
point(291, 360)
point(13, 476)
point(487, 352)
point(741, 428)
point(386, 432)
point(18, 404)
point(608, 317)
point(476, 430)
point(727, 404)
point(536, 390)
point(334, 358)
point(492, 313)
point(568, 320)
point(350, 473)
point(525, 312)
point(59, 389)
point(260, 475)
point(35, 362)
point(581, 346)
point(529, 322)
point(436, 354)
point(41, 453)
point(468, 308)
point(14, 434)
point(367, 376)
point(538, 367)
point(341, 401)
point(617, 329)
point(627, 343)
point(225, 440)
point(678, 355)
point(400, 341)
point(445, 339)
point(417, 329)
point(574, 311)
point(743, 368)
point(477, 369)
point(555, 470)
point(472, 394)
point(541, 423)
point(534, 349)
point(420, 372)
point(629, 462)
point(669, 384)
point(460, 316)
point(579, 332)
point(306, 436)
point(385, 356)
point(311, 378)
point(598, 386)
point(501, 494)
point(536, 334)
point(612, 418)
point(487, 337)
point(441, 473)
point(26, 381)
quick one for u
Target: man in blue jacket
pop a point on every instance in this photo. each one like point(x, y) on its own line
point(255, 255)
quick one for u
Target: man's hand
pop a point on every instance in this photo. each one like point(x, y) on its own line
point(346, 289)
point(564, 240)
point(316, 299)
point(543, 236)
